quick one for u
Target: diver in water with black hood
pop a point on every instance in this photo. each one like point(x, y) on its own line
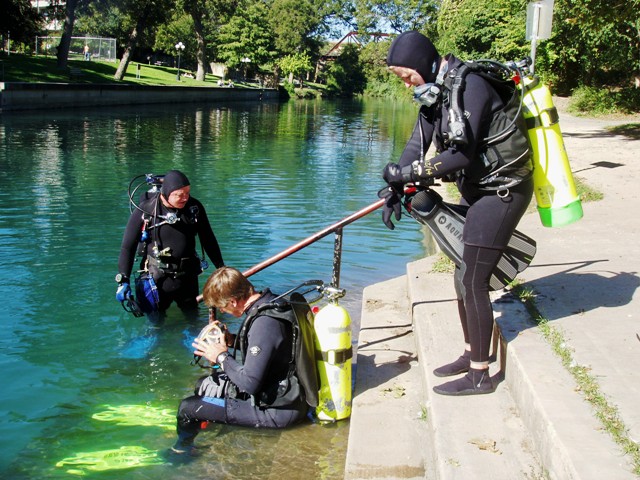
point(493, 176)
point(163, 230)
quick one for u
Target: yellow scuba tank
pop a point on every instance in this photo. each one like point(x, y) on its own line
point(332, 326)
point(555, 191)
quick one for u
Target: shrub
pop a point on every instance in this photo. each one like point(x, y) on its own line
point(603, 100)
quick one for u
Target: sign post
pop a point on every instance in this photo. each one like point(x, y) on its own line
point(539, 19)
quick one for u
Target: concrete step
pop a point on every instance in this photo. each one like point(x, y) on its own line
point(474, 437)
point(534, 426)
point(387, 432)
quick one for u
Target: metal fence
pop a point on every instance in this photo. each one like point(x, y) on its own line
point(81, 48)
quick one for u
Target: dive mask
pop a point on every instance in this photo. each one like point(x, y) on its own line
point(211, 333)
point(427, 94)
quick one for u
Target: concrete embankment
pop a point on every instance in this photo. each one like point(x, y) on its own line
point(36, 96)
point(540, 423)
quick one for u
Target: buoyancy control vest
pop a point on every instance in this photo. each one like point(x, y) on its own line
point(505, 152)
point(159, 259)
point(302, 377)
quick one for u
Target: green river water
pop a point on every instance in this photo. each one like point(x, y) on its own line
point(269, 174)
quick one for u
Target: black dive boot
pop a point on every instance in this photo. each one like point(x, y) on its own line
point(461, 365)
point(475, 382)
point(187, 432)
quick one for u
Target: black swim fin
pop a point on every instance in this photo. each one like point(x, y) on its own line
point(446, 221)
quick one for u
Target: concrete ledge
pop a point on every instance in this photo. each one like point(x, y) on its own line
point(562, 425)
point(473, 437)
point(387, 437)
point(32, 96)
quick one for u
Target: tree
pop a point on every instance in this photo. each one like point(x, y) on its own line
point(206, 16)
point(67, 32)
point(20, 20)
point(143, 14)
point(104, 18)
point(403, 15)
point(179, 29)
point(247, 35)
point(345, 75)
point(483, 29)
point(298, 25)
point(594, 43)
point(295, 65)
point(292, 21)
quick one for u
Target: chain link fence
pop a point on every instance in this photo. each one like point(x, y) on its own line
point(81, 48)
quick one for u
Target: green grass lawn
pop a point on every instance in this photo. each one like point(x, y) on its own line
point(43, 69)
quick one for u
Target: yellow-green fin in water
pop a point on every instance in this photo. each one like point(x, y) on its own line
point(129, 456)
point(138, 415)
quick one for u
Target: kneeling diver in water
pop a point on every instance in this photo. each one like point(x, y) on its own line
point(261, 391)
point(163, 229)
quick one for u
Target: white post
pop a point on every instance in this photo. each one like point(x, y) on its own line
point(539, 19)
point(534, 34)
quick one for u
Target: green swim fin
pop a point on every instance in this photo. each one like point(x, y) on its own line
point(138, 415)
point(129, 456)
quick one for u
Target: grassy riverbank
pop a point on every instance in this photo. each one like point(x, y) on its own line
point(43, 69)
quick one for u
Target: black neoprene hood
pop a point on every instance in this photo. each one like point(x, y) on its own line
point(413, 50)
point(173, 180)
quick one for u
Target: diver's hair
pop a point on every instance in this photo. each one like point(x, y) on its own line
point(224, 285)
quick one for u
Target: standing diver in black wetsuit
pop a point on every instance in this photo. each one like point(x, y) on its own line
point(169, 221)
point(498, 188)
point(252, 393)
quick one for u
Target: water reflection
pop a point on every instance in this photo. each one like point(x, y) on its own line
point(270, 174)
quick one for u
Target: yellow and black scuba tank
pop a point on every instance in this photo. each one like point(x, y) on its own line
point(554, 187)
point(332, 326)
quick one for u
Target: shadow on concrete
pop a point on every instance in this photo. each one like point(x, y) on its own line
point(380, 361)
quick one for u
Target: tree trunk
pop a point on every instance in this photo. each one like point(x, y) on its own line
point(65, 40)
point(201, 54)
point(131, 45)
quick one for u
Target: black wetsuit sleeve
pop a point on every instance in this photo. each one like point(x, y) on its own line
point(129, 244)
point(265, 356)
point(208, 239)
point(478, 100)
point(420, 138)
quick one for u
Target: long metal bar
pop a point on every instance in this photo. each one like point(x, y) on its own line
point(312, 239)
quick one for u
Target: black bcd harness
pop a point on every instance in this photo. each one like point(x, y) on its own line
point(302, 377)
point(505, 151)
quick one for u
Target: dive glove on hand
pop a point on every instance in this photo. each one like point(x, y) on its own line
point(392, 206)
point(396, 178)
point(123, 292)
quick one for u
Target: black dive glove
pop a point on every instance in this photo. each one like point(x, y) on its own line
point(392, 206)
point(396, 178)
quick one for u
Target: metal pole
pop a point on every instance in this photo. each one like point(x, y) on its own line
point(337, 259)
point(534, 34)
point(314, 238)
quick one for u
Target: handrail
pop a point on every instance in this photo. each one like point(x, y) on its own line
point(336, 227)
point(314, 238)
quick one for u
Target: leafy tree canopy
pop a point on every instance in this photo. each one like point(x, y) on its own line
point(247, 35)
point(20, 21)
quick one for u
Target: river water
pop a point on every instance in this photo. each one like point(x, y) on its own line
point(269, 175)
